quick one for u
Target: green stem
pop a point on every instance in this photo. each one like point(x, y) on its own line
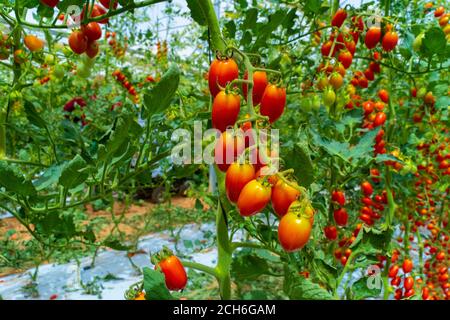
point(2, 134)
point(217, 41)
point(200, 267)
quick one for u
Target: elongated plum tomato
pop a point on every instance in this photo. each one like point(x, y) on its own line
point(227, 149)
point(373, 36)
point(238, 175)
point(367, 188)
point(389, 41)
point(253, 198)
point(225, 110)
point(294, 230)
point(384, 95)
point(346, 58)
point(174, 273)
point(380, 119)
point(339, 18)
point(273, 102)
point(340, 216)
point(33, 43)
point(259, 85)
point(220, 73)
point(282, 197)
point(338, 197)
point(330, 232)
point(92, 31)
point(78, 42)
point(50, 3)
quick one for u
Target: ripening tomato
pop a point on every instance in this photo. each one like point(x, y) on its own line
point(33, 43)
point(225, 110)
point(346, 58)
point(92, 31)
point(340, 216)
point(78, 42)
point(408, 283)
point(329, 97)
point(439, 11)
point(221, 72)
point(407, 265)
point(259, 85)
point(363, 82)
point(273, 102)
point(338, 197)
point(294, 231)
point(380, 119)
point(174, 273)
point(369, 74)
point(228, 147)
point(390, 40)
point(373, 36)
point(368, 107)
point(366, 188)
point(339, 18)
point(92, 50)
point(336, 80)
point(282, 197)
point(375, 67)
point(50, 3)
point(237, 176)
point(253, 198)
point(326, 48)
point(330, 232)
point(107, 3)
point(351, 46)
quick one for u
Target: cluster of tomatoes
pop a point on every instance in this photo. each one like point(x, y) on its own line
point(31, 42)
point(247, 185)
point(442, 17)
point(118, 49)
point(120, 77)
point(84, 40)
point(74, 110)
point(161, 50)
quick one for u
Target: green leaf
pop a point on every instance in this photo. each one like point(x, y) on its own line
point(159, 97)
point(434, 41)
point(155, 285)
point(298, 158)
point(14, 181)
point(298, 287)
point(49, 177)
point(33, 116)
point(251, 16)
point(57, 224)
point(360, 289)
point(247, 266)
point(231, 29)
point(74, 173)
point(118, 136)
point(196, 12)
point(312, 6)
point(115, 245)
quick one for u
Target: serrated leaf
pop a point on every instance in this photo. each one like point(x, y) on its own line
point(14, 181)
point(159, 97)
point(74, 173)
point(155, 285)
point(247, 266)
point(197, 13)
point(298, 287)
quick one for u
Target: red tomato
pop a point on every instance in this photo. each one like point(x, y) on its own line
point(407, 265)
point(368, 107)
point(273, 102)
point(340, 216)
point(92, 31)
point(78, 42)
point(253, 198)
point(389, 41)
point(338, 196)
point(330, 232)
point(221, 72)
point(375, 67)
point(363, 82)
point(92, 49)
point(227, 149)
point(369, 74)
point(373, 36)
point(380, 119)
point(339, 18)
point(345, 57)
point(174, 273)
point(107, 3)
point(366, 188)
point(393, 271)
point(225, 110)
point(408, 283)
point(259, 85)
point(50, 3)
point(282, 197)
point(326, 48)
point(294, 231)
point(351, 46)
point(237, 176)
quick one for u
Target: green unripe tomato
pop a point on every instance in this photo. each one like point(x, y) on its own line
point(418, 42)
